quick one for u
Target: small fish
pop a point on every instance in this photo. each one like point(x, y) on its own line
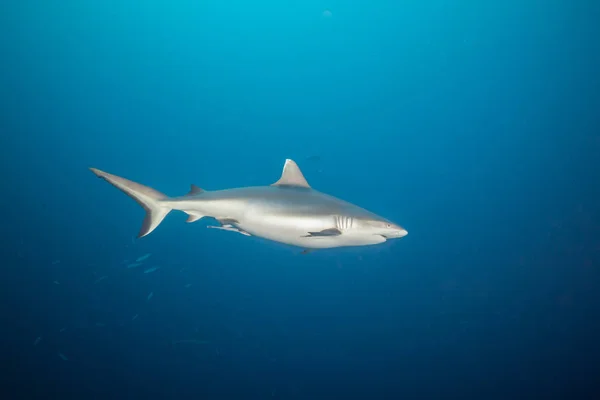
point(151, 270)
point(134, 265)
point(63, 357)
point(150, 296)
point(188, 285)
point(56, 282)
point(100, 279)
point(144, 257)
point(134, 317)
point(37, 340)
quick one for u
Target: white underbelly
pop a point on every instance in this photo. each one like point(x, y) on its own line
point(294, 231)
point(288, 229)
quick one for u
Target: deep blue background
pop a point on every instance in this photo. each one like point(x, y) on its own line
point(475, 125)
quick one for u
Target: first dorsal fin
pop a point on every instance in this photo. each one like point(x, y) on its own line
point(291, 176)
point(194, 190)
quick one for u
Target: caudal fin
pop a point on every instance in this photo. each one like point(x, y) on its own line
point(152, 200)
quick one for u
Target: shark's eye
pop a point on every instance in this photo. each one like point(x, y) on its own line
point(388, 225)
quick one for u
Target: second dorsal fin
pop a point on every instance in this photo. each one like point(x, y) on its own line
point(194, 190)
point(291, 176)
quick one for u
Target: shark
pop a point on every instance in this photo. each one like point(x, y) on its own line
point(288, 211)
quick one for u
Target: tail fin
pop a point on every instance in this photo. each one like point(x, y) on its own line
point(150, 199)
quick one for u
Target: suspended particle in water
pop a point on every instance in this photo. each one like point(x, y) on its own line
point(327, 13)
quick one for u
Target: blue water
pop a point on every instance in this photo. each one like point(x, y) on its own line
point(475, 125)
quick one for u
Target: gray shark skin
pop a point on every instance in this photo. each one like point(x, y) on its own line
point(288, 211)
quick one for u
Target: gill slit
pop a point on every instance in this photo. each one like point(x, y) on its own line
point(344, 223)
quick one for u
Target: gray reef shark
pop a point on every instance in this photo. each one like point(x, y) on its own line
point(288, 211)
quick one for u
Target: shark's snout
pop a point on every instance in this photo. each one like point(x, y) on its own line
point(398, 233)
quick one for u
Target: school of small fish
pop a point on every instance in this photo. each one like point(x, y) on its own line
point(139, 261)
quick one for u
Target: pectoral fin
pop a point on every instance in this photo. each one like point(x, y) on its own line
point(325, 232)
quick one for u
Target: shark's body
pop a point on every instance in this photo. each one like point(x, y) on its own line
point(289, 211)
